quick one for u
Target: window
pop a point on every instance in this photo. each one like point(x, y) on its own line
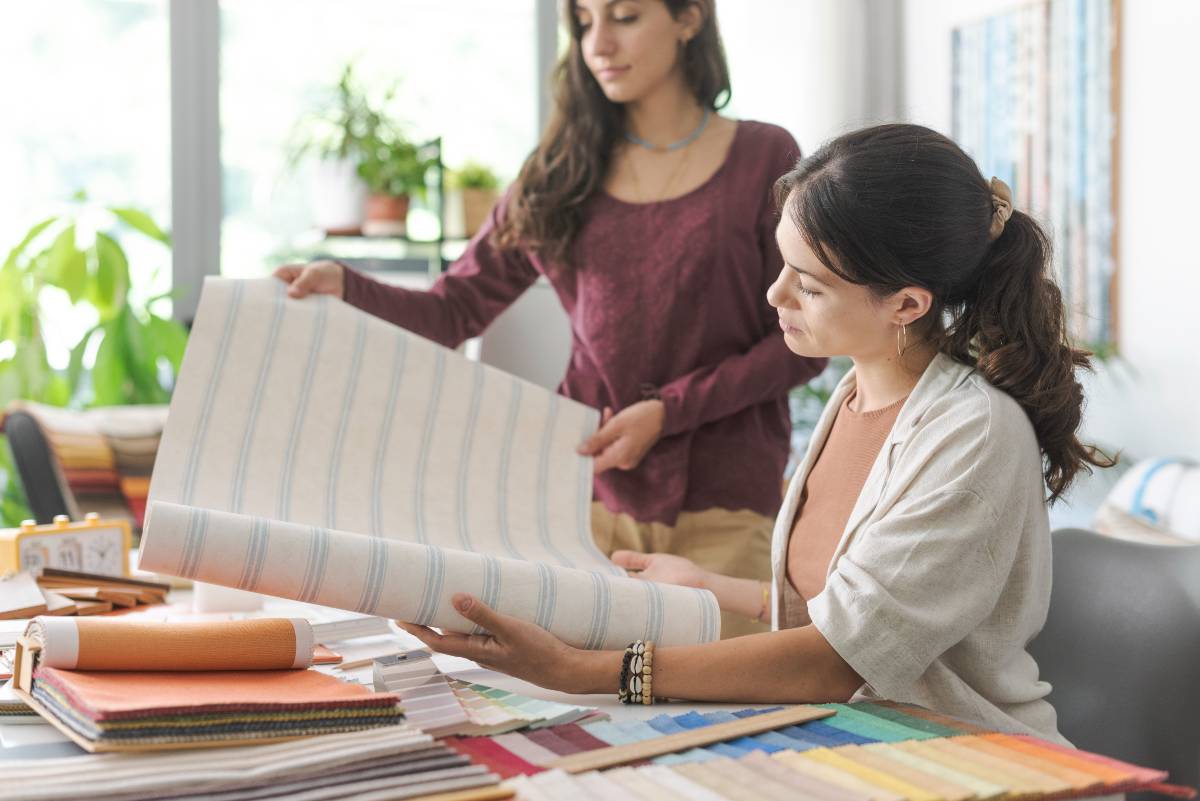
point(466, 71)
point(86, 99)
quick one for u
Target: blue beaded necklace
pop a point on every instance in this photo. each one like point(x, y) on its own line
point(684, 142)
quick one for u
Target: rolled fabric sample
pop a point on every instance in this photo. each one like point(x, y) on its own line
point(73, 643)
point(413, 582)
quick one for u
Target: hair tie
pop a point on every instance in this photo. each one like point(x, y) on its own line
point(1002, 207)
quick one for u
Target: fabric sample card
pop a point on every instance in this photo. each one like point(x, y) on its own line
point(317, 453)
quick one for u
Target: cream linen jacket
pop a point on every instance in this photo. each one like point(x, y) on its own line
point(942, 576)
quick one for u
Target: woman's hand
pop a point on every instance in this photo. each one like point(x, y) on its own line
point(520, 649)
point(624, 438)
point(738, 595)
point(663, 567)
point(322, 277)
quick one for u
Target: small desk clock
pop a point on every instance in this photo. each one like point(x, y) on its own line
point(90, 546)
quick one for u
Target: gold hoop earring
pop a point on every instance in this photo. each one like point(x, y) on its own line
point(901, 340)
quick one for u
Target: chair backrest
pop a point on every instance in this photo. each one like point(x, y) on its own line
point(1121, 648)
point(46, 489)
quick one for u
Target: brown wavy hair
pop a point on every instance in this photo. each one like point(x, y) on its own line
point(545, 206)
point(901, 205)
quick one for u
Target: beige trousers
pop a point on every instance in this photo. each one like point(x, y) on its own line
point(725, 542)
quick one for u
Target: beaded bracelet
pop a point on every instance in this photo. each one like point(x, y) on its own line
point(637, 665)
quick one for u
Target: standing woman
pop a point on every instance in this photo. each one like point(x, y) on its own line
point(652, 217)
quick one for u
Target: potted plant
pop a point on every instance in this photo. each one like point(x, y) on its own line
point(130, 355)
point(330, 141)
point(394, 170)
point(479, 188)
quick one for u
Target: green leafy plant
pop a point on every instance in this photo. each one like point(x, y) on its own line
point(137, 352)
point(354, 122)
point(392, 165)
point(473, 175)
point(13, 506)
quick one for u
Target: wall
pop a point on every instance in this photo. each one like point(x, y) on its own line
point(1145, 402)
point(790, 64)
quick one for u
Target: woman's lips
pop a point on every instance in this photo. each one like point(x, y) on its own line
point(789, 329)
point(609, 73)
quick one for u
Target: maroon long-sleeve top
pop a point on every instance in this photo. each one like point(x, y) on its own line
point(664, 298)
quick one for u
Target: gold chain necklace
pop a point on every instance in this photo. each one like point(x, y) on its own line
point(663, 193)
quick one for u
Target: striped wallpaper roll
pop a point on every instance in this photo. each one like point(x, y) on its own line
point(318, 453)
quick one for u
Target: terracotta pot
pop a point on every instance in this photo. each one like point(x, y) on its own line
point(386, 215)
point(477, 205)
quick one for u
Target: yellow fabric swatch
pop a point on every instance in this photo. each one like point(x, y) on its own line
point(938, 786)
point(833, 758)
point(828, 773)
point(982, 788)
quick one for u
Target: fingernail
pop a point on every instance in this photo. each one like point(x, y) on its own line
point(462, 603)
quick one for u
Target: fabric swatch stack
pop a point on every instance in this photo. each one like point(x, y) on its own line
point(106, 454)
point(393, 763)
point(441, 705)
point(495, 711)
point(881, 752)
point(12, 708)
point(200, 684)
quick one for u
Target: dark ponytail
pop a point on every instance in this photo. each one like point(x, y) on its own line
point(901, 205)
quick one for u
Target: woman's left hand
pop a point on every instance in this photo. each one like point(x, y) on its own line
point(512, 646)
point(625, 437)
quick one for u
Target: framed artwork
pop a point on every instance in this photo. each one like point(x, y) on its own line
point(1036, 101)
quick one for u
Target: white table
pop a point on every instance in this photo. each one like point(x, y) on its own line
point(14, 734)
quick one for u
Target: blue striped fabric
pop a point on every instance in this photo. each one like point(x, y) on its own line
point(464, 465)
point(256, 554)
point(514, 405)
point(314, 569)
point(376, 574)
point(339, 440)
point(543, 483)
point(435, 575)
point(389, 414)
point(260, 386)
point(283, 508)
point(435, 392)
point(192, 464)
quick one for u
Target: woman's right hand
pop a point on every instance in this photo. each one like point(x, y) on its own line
point(324, 277)
point(663, 567)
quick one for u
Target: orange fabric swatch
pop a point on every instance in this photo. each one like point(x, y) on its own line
point(112, 696)
point(265, 644)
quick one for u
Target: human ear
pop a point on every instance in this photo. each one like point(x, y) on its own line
point(910, 304)
point(690, 21)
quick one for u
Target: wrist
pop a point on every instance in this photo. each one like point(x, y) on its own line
point(740, 596)
point(592, 672)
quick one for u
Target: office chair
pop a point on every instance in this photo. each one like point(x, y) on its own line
point(1121, 648)
point(45, 488)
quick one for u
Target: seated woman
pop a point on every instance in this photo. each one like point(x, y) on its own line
point(912, 554)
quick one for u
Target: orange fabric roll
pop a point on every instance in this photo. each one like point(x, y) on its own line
point(113, 644)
